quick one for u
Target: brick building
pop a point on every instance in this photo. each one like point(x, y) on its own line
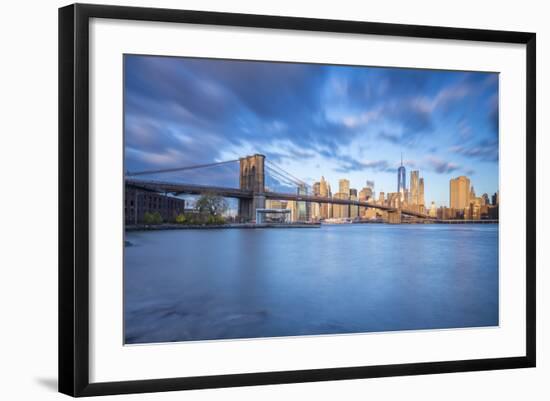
point(138, 201)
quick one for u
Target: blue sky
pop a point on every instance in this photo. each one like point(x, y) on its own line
point(338, 121)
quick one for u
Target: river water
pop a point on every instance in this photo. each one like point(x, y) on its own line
point(184, 285)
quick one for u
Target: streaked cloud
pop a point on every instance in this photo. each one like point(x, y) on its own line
point(315, 119)
point(442, 166)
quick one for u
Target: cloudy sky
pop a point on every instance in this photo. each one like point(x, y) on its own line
point(312, 120)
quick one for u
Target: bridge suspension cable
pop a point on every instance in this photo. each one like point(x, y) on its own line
point(280, 177)
point(295, 180)
point(170, 170)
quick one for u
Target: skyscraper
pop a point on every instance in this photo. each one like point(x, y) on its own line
point(317, 188)
point(401, 180)
point(302, 208)
point(433, 210)
point(415, 184)
point(291, 205)
point(343, 186)
point(329, 209)
point(353, 209)
point(459, 193)
point(495, 199)
point(365, 195)
point(340, 211)
point(421, 194)
point(315, 208)
point(324, 192)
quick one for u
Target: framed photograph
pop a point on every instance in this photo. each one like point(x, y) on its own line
point(250, 199)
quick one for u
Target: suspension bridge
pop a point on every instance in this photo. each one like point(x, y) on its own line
point(252, 192)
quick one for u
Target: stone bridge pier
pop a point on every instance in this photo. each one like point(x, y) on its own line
point(252, 178)
point(394, 216)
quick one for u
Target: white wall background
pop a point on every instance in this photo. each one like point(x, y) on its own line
point(28, 168)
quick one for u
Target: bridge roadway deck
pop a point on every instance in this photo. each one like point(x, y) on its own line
point(192, 189)
point(335, 201)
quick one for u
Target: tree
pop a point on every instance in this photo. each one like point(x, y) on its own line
point(211, 204)
point(180, 218)
point(215, 220)
point(152, 218)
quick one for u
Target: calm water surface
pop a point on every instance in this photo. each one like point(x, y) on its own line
point(241, 283)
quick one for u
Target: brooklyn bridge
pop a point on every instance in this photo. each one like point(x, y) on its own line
point(252, 192)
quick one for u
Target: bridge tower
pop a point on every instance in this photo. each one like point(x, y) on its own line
point(394, 216)
point(252, 178)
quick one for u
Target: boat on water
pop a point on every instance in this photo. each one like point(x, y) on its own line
point(342, 220)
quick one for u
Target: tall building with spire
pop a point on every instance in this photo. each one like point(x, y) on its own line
point(402, 180)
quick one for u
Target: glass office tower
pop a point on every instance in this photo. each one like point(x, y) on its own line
point(401, 181)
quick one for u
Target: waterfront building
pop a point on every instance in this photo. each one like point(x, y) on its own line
point(433, 210)
point(381, 198)
point(493, 212)
point(275, 204)
point(459, 193)
point(280, 216)
point(446, 213)
point(473, 211)
point(484, 211)
point(137, 202)
point(485, 199)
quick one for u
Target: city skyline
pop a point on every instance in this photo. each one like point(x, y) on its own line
point(335, 121)
point(463, 201)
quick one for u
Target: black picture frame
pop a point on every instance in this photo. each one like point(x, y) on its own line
point(74, 198)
